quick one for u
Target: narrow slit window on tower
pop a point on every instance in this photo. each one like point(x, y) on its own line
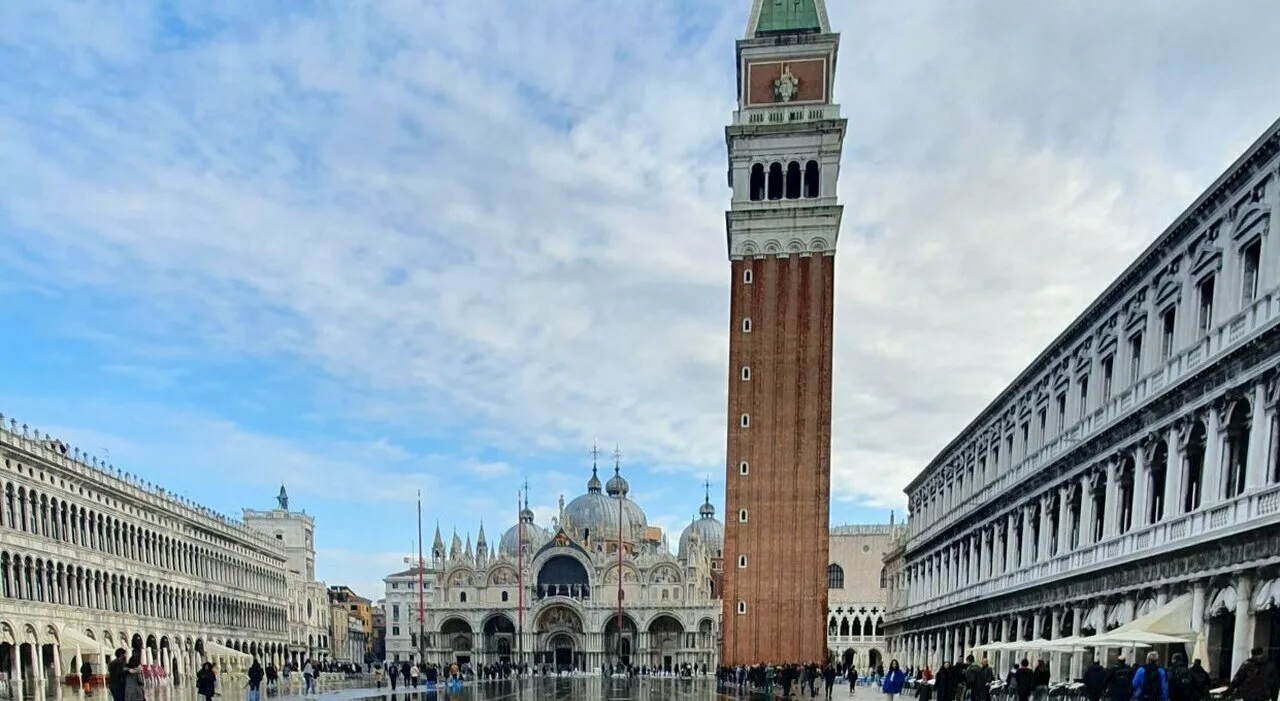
point(775, 181)
point(745, 420)
point(744, 468)
point(742, 608)
point(742, 562)
point(746, 372)
point(742, 515)
point(794, 181)
point(811, 181)
point(746, 276)
point(746, 326)
point(757, 182)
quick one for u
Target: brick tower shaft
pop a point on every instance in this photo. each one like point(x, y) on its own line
point(784, 160)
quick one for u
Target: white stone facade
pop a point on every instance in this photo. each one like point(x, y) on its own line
point(310, 624)
point(92, 559)
point(568, 617)
point(400, 607)
point(858, 593)
point(1135, 461)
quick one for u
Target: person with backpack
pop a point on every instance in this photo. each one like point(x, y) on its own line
point(1182, 686)
point(1150, 683)
point(1120, 681)
point(1095, 680)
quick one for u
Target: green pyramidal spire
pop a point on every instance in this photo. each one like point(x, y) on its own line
point(787, 17)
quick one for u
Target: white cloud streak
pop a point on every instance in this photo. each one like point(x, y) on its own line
point(509, 221)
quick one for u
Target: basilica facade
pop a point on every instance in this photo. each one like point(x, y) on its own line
point(597, 586)
point(1127, 483)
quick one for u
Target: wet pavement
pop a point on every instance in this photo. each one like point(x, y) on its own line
point(528, 689)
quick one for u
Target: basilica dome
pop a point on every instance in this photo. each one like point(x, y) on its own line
point(706, 529)
point(596, 516)
point(533, 536)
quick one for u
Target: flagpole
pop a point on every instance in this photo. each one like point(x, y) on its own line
point(422, 643)
point(519, 582)
point(617, 456)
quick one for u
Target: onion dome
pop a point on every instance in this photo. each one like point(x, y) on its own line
point(598, 516)
point(526, 531)
point(706, 530)
point(617, 485)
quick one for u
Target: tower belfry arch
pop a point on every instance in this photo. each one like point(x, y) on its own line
point(783, 222)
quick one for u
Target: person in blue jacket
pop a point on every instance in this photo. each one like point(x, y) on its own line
point(1150, 683)
point(894, 680)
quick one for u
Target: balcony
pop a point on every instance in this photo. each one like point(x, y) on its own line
point(1253, 509)
point(1258, 318)
point(780, 114)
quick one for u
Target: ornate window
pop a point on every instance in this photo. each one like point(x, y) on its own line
point(746, 276)
point(835, 576)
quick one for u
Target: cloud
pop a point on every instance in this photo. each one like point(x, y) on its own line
point(488, 222)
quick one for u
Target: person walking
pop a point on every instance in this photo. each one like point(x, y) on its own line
point(1024, 682)
point(894, 681)
point(1150, 682)
point(1095, 680)
point(255, 680)
point(308, 678)
point(1120, 681)
point(852, 673)
point(116, 675)
point(134, 683)
point(1255, 680)
point(206, 681)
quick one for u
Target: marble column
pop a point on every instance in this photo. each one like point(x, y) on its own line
point(1212, 480)
point(1175, 470)
point(1242, 641)
point(1141, 487)
point(1028, 536)
point(1111, 511)
point(1077, 657)
point(1055, 632)
point(1086, 509)
point(1011, 552)
point(1259, 435)
point(1064, 519)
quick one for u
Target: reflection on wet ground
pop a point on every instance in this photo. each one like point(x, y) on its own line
point(528, 689)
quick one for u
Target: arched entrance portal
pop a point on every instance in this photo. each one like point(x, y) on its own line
point(560, 649)
point(456, 636)
point(620, 649)
point(499, 639)
point(665, 634)
point(557, 635)
point(874, 660)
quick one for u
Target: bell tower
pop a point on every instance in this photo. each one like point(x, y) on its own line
point(783, 222)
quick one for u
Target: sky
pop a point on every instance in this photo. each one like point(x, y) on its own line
point(367, 249)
